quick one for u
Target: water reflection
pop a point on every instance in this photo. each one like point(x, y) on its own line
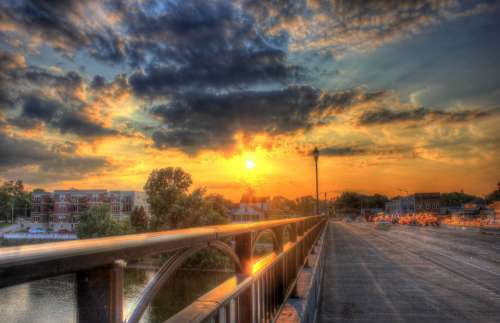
point(53, 300)
point(45, 301)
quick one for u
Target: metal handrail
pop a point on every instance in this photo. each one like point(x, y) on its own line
point(27, 263)
point(99, 262)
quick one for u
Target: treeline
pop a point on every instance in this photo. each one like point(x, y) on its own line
point(14, 201)
point(353, 200)
point(171, 206)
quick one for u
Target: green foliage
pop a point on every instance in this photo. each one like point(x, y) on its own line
point(172, 206)
point(139, 219)
point(281, 207)
point(352, 200)
point(493, 196)
point(456, 199)
point(305, 205)
point(13, 197)
point(166, 189)
point(98, 222)
point(209, 259)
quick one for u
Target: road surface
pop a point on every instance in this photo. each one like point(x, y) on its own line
point(410, 274)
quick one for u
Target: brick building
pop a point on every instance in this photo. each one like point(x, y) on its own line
point(42, 205)
point(59, 211)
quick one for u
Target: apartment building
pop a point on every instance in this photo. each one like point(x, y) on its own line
point(416, 203)
point(123, 202)
point(59, 211)
point(42, 205)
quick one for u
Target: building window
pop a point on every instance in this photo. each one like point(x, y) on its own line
point(126, 204)
point(115, 208)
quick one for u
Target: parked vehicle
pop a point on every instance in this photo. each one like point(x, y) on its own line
point(37, 230)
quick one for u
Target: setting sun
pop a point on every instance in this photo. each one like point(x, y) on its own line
point(250, 164)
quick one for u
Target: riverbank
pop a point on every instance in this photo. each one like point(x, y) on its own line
point(40, 236)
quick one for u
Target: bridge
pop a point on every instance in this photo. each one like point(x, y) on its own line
point(325, 271)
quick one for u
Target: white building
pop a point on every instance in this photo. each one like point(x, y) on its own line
point(251, 209)
point(122, 203)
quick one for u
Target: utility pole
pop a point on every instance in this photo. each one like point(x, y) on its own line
point(326, 205)
point(316, 156)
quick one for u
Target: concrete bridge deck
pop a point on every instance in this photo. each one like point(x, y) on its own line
point(410, 274)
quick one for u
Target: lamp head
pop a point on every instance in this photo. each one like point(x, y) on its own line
point(316, 153)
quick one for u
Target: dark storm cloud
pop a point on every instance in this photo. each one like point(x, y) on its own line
point(18, 80)
point(20, 152)
point(79, 124)
point(337, 26)
point(38, 108)
point(38, 76)
point(386, 116)
point(9, 64)
point(202, 45)
point(197, 121)
point(17, 152)
point(60, 24)
point(343, 151)
point(364, 150)
point(98, 82)
point(64, 110)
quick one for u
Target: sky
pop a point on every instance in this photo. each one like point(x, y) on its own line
point(399, 96)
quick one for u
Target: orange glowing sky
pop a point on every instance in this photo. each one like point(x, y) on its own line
point(238, 94)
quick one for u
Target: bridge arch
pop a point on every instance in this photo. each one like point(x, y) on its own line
point(277, 243)
point(169, 267)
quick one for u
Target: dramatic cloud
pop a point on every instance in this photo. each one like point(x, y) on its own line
point(366, 150)
point(337, 26)
point(18, 152)
point(145, 81)
point(80, 125)
point(202, 45)
point(197, 121)
point(55, 100)
point(385, 116)
point(10, 63)
point(67, 26)
point(39, 108)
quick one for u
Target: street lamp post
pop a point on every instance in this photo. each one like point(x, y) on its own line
point(316, 156)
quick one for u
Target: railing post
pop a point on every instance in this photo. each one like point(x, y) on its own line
point(244, 251)
point(278, 232)
point(99, 294)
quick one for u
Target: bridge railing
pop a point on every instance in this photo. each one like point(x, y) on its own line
point(256, 293)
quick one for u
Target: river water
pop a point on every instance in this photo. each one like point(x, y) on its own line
point(53, 300)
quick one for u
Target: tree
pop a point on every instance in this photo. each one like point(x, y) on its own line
point(280, 207)
point(352, 201)
point(139, 219)
point(305, 205)
point(349, 201)
point(493, 196)
point(456, 199)
point(166, 188)
point(14, 198)
point(98, 222)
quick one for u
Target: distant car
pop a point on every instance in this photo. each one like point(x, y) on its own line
point(383, 225)
point(37, 230)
